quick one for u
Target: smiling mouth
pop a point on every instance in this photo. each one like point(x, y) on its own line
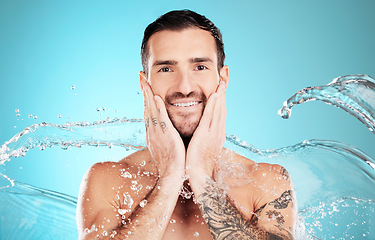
point(187, 104)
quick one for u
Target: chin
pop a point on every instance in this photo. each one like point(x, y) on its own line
point(186, 129)
point(185, 124)
point(186, 133)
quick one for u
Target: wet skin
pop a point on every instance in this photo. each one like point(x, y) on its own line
point(185, 112)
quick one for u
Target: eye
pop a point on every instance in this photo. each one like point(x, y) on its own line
point(200, 67)
point(165, 69)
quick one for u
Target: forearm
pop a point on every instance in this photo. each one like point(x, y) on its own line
point(224, 220)
point(150, 221)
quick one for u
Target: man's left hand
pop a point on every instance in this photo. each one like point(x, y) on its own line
point(207, 141)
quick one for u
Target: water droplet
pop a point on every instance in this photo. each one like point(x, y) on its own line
point(196, 234)
point(35, 117)
point(17, 110)
point(128, 200)
point(185, 177)
point(73, 87)
point(172, 221)
point(143, 203)
point(285, 112)
point(122, 211)
point(126, 175)
point(59, 116)
point(30, 115)
point(143, 163)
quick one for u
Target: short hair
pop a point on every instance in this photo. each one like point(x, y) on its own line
point(179, 20)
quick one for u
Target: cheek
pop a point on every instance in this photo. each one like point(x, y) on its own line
point(209, 89)
point(157, 89)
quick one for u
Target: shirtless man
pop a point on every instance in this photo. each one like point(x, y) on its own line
point(147, 195)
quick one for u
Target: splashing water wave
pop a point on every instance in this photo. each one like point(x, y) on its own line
point(353, 93)
point(29, 212)
point(334, 181)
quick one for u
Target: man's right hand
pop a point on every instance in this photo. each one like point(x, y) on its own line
point(117, 219)
point(163, 140)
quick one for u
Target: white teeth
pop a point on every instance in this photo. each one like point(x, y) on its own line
point(185, 104)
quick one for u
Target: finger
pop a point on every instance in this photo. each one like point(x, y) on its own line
point(165, 122)
point(212, 111)
point(220, 111)
point(152, 108)
point(146, 106)
point(208, 111)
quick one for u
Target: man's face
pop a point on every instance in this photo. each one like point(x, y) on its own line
point(182, 70)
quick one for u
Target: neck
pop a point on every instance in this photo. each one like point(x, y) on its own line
point(186, 141)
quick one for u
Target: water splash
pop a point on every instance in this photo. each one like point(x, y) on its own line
point(353, 93)
point(29, 212)
point(116, 132)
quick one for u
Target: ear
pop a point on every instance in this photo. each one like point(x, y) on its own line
point(224, 75)
point(142, 78)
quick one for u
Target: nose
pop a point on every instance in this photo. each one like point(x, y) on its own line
point(185, 83)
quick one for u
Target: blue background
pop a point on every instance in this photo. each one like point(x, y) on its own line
point(273, 48)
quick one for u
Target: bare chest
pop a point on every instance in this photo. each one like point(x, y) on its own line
point(186, 222)
point(190, 228)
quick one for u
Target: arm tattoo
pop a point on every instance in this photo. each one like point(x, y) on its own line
point(224, 220)
point(279, 203)
point(283, 201)
point(284, 173)
point(276, 215)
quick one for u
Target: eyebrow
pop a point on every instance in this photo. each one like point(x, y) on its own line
point(164, 62)
point(174, 62)
point(200, 60)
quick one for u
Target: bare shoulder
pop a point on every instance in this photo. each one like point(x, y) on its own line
point(262, 172)
point(102, 174)
point(112, 189)
point(255, 183)
point(268, 191)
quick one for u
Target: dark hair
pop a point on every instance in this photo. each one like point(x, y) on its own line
point(178, 20)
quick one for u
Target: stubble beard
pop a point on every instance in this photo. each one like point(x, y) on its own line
point(185, 123)
point(186, 128)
